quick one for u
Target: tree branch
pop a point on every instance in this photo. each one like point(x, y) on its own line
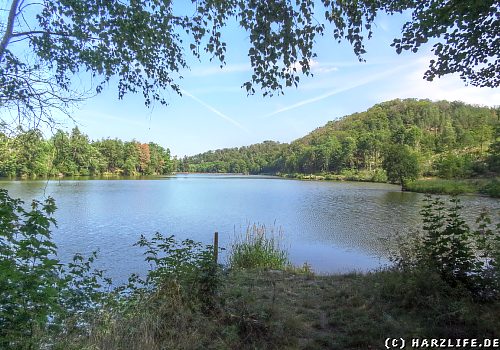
point(10, 28)
point(38, 32)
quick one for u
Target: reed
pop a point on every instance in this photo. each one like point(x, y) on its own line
point(259, 248)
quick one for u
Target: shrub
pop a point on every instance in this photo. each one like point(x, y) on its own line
point(448, 243)
point(379, 175)
point(349, 174)
point(492, 188)
point(40, 297)
point(259, 249)
point(453, 166)
point(28, 274)
point(448, 246)
point(187, 264)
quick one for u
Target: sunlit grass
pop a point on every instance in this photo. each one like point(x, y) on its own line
point(441, 186)
point(259, 248)
point(489, 186)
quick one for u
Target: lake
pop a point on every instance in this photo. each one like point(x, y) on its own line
point(333, 226)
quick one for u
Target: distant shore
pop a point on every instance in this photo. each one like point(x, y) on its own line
point(433, 185)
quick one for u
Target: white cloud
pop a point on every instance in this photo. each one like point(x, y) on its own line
point(325, 70)
point(352, 85)
point(449, 87)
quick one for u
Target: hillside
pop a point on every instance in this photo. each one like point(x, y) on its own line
point(447, 139)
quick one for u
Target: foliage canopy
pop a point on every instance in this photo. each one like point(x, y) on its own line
point(145, 44)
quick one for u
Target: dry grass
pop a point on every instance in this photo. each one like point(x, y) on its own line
point(285, 310)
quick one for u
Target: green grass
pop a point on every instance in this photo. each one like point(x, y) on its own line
point(282, 310)
point(377, 175)
point(259, 248)
point(485, 186)
point(441, 186)
point(490, 187)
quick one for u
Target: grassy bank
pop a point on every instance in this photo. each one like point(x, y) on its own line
point(346, 175)
point(484, 186)
point(259, 301)
point(284, 310)
point(489, 187)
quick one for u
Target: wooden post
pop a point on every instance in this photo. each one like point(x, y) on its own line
point(216, 247)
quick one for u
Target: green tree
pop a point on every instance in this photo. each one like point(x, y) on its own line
point(400, 164)
point(131, 161)
point(63, 160)
point(347, 152)
point(308, 160)
point(112, 152)
point(494, 152)
point(467, 35)
point(160, 162)
point(322, 156)
point(30, 154)
point(7, 157)
point(451, 166)
point(81, 151)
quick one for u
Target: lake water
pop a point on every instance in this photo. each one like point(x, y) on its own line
point(333, 226)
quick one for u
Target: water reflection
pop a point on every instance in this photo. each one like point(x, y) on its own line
point(334, 226)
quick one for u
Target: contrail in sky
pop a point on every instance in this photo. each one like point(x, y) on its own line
point(219, 113)
point(341, 89)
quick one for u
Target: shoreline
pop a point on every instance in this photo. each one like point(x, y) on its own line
point(485, 187)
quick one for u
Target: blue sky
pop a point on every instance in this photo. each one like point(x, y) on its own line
point(215, 112)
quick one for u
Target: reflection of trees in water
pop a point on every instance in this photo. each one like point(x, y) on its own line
point(366, 218)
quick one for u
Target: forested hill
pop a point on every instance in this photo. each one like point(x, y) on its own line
point(448, 139)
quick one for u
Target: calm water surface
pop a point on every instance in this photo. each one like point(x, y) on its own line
point(334, 226)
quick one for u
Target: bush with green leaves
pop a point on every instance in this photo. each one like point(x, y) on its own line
point(29, 275)
point(190, 265)
point(179, 296)
point(492, 188)
point(40, 298)
point(450, 247)
point(47, 304)
point(454, 166)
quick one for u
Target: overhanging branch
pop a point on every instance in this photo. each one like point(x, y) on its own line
point(10, 28)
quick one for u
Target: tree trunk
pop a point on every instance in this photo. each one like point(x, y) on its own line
point(9, 29)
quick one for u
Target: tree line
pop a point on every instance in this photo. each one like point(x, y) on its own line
point(394, 140)
point(445, 139)
point(28, 154)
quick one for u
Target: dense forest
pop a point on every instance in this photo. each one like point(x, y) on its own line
point(28, 154)
point(445, 139)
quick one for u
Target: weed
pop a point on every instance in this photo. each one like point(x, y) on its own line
point(260, 248)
